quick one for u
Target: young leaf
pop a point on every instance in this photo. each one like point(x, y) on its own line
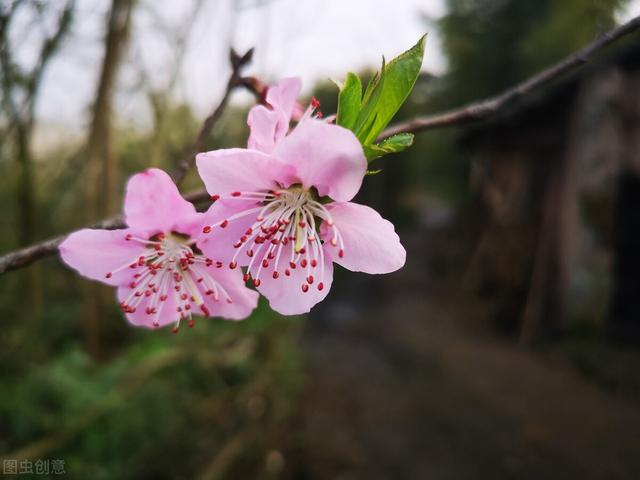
point(394, 144)
point(400, 75)
point(367, 115)
point(349, 101)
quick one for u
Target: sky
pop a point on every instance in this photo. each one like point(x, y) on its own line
point(313, 39)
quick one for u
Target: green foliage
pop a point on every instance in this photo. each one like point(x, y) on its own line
point(491, 45)
point(349, 101)
point(367, 115)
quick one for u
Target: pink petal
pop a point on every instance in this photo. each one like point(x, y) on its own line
point(325, 156)
point(282, 97)
point(285, 293)
point(371, 244)
point(95, 253)
point(219, 243)
point(240, 170)
point(153, 204)
point(244, 300)
point(263, 124)
point(166, 315)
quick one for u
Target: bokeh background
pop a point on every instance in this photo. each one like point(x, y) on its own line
point(507, 347)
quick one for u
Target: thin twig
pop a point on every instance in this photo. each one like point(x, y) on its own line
point(235, 80)
point(472, 112)
point(480, 110)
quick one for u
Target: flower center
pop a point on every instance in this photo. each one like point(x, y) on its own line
point(169, 269)
point(284, 235)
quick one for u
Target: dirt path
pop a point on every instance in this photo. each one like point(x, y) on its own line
point(398, 389)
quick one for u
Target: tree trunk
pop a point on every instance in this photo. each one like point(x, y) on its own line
point(102, 166)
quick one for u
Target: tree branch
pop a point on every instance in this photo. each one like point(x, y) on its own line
point(483, 109)
point(235, 80)
point(472, 112)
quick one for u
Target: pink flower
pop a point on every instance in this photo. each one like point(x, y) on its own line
point(161, 276)
point(283, 206)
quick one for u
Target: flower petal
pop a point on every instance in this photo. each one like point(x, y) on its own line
point(263, 124)
point(282, 97)
point(371, 244)
point(243, 299)
point(327, 157)
point(166, 310)
point(238, 169)
point(153, 204)
point(285, 293)
point(218, 244)
point(95, 253)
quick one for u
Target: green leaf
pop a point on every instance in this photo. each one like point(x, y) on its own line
point(394, 144)
point(349, 101)
point(367, 115)
point(400, 76)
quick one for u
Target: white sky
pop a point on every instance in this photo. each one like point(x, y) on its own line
point(313, 39)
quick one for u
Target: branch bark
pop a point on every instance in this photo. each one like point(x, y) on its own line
point(472, 112)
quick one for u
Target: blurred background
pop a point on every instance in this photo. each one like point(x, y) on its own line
point(507, 347)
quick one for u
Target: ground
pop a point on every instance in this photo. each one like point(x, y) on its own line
point(400, 385)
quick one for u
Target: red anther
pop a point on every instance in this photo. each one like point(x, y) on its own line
point(136, 275)
point(265, 263)
point(184, 296)
point(174, 330)
point(108, 275)
point(132, 285)
point(208, 262)
point(249, 231)
point(256, 282)
point(236, 194)
point(215, 197)
point(315, 103)
point(205, 310)
point(187, 307)
point(310, 279)
point(314, 263)
point(128, 236)
point(191, 323)
point(233, 265)
point(160, 236)
point(200, 280)
point(163, 298)
point(275, 275)
point(243, 238)
point(224, 224)
point(319, 114)
point(302, 224)
point(207, 229)
point(320, 286)
point(285, 240)
point(238, 244)
point(271, 255)
point(305, 287)
point(287, 272)
point(303, 251)
point(177, 288)
point(219, 264)
point(341, 253)
point(292, 265)
point(275, 241)
point(249, 253)
point(245, 277)
point(303, 263)
point(133, 265)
